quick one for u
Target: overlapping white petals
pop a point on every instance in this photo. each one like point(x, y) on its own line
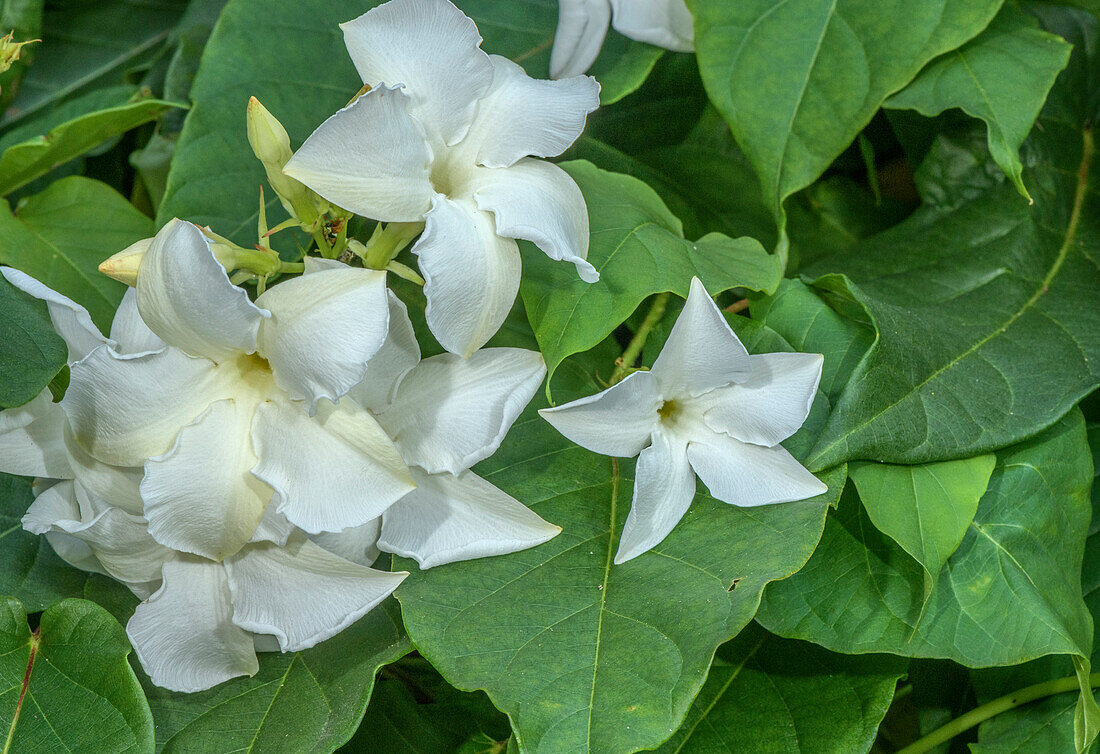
point(522, 116)
point(301, 593)
point(31, 440)
point(450, 413)
point(539, 202)
point(702, 352)
point(323, 330)
point(431, 48)
point(128, 330)
point(124, 409)
point(359, 544)
point(747, 475)
point(184, 634)
point(396, 358)
point(772, 403)
point(200, 497)
point(449, 518)
point(370, 158)
point(322, 481)
point(119, 485)
point(185, 297)
point(616, 422)
point(70, 320)
point(664, 487)
point(471, 274)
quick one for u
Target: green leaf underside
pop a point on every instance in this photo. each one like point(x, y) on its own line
point(22, 162)
point(988, 294)
point(798, 80)
point(302, 701)
point(586, 655)
point(69, 687)
point(90, 45)
point(62, 234)
point(926, 509)
point(215, 179)
point(1008, 594)
point(769, 694)
point(1001, 76)
point(638, 248)
point(31, 353)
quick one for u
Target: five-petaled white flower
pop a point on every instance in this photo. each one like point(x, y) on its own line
point(202, 620)
point(706, 407)
point(582, 26)
point(445, 414)
point(453, 144)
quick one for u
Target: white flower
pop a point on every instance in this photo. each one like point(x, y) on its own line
point(453, 145)
point(706, 407)
point(582, 25)
point(445, 414)
point(237, 410)
point(202, 621)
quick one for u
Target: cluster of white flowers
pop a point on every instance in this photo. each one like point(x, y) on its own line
point(240, 464)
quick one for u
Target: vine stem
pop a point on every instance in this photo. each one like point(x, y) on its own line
point(633, 350)
point(980, 714)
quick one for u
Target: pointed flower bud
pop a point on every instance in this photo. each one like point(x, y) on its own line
point(123, 266)
point(271, 145)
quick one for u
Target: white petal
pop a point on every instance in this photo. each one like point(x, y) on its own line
point(129, 331)
point(539, 202)
point(200, 496)
point(185, 297)
point(615, 422)
point(525, 117)
point(771, 404)
point(471, 274)
point(431, 48)
point(371, 158)
point(302, 594)
point(450, 518)
point(387, 368)
point(119, 485)
point(118, 539)
point(71, 320)
point(329, 473)
point(748, 475)
point(184, 635)
point(663, 490)
point(701, 352)
point(665, 23)
point(32, 439)
point(274, 527)
point(359, 544)
point(124, 410)
point(582, 26)
point(323, 330)
point(58, 503)
point(451, 412)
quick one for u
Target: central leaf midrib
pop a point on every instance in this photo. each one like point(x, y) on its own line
point(1041, 290)
point(33, 642)
point(615, 480)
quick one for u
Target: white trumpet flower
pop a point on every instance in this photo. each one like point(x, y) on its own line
point(582, 26)
point(202, 621)
point(453, 144)
point(706, 408)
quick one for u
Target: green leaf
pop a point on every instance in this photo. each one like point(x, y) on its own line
point(769, 694)
point(31, 352)
point(22, 162)
point(926, 509)
point(987, 294)
point(30, 571)
point(638, 248)
point(67, 686)
point(62, 234)
point(215, 179)
point(89, 45)
point(1001, 76)
point(798, 80)
point(581, 654)
point(1011, 592)
point(300, 701)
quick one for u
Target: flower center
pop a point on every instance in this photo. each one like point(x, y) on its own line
point(254, 371)
point(668, 411)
